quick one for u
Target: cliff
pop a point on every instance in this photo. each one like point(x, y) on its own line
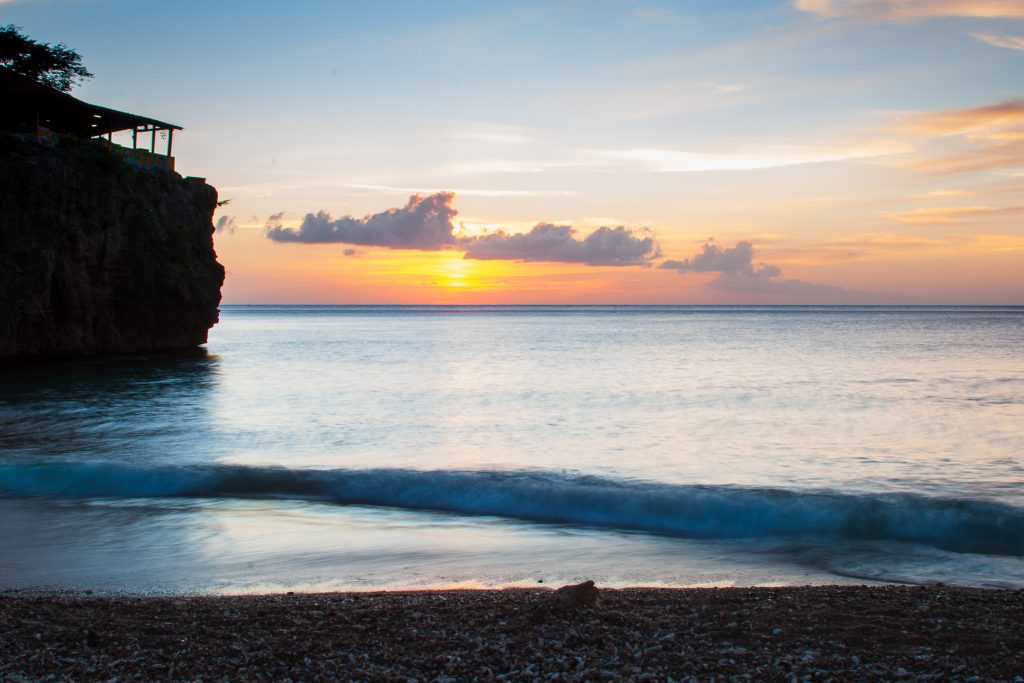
point(97, 257)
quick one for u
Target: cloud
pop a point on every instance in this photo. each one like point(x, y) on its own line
point(940, 194)
point(897, 10)
point(952, 214)
point(389, 189)
point(989, 122)
point(1009, 42)
point(424, 223)
point(972, 139)
point(715, 259)
point(353, 252)
point(491, 134)
point(226, 224)
point(885, 242)
point(605, 246)
point(998, 242)
point(275, 221)
point(737, 272)
point(678, 161)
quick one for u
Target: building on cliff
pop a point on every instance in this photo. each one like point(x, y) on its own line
point(30, 107)
point(97, 257)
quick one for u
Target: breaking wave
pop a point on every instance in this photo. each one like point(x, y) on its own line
point(692, 511)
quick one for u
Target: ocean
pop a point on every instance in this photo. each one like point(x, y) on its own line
point(362, 448)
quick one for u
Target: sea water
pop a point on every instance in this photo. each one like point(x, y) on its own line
point(316, 448)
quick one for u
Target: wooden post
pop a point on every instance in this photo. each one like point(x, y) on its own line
point(135, 137)
point(170, 140)
point(152, 140)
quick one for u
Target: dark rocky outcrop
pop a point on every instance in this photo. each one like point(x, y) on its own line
point(98, 257)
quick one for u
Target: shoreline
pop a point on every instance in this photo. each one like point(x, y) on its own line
point(782, 633)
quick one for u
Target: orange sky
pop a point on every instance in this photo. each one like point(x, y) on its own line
point(920, 269)
point(751, 151)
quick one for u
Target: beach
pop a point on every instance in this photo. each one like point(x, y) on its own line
point(796, 633)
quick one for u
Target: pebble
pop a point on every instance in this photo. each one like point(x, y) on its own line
point(519, 634)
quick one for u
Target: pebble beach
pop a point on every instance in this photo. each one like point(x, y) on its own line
point(815, 633)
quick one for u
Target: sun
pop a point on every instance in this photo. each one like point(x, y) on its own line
point(457, 272)
point(448, 270)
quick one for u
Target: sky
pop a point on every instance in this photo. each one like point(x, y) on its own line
point(587, 152)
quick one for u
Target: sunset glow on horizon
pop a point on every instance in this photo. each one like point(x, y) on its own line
point(626, 152)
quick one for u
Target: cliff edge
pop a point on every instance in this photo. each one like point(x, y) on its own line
point(97, 257)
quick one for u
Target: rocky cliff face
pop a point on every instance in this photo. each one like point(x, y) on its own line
point(97, 257)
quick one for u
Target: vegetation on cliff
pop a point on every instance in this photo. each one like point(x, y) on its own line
point(55, 66)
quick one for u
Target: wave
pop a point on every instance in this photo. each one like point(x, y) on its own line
point(692, 511)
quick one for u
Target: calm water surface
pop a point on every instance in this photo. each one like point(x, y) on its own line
point(335, 447)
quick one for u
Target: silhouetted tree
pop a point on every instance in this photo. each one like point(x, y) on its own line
point(56, 66)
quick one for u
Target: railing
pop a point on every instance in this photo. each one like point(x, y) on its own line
point(145, 160)
point(139, 158)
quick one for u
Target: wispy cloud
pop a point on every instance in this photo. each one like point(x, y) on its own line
point(538, 164)
point(754, 158)
point(491, 134)
point(1008, 42)
point(971, 139)
point(994, 121)
point(886, 242)
point(940, 194)
point(953, 214)
point(896, 10)
point(726, 88)
point(998, 242)
point(900, 247)
point(865, 246)
point(466, 192)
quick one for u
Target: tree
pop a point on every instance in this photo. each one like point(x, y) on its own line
point(55, 66)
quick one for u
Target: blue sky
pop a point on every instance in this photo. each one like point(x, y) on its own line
point(798, 126)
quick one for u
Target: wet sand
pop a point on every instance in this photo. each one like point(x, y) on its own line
point(775, 634)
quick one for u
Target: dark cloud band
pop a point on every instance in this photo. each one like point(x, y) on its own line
point(546, 242)
point(425, 224)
